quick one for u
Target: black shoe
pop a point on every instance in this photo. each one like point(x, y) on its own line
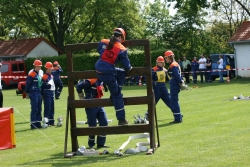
point(175, 122)
point(38, 125)
point(102, 146)
point(57, 98)
point(122, 122)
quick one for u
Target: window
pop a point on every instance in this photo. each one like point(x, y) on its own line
point(21, 67)
point(4, 68)
point(14, 67)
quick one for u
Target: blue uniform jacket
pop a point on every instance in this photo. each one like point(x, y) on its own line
point(108, 58)
point(56, 73)
point(161, 78)
point(33, 82)
point(174, 72)
point(48, 86)
point(90, 87)
point(195, 65)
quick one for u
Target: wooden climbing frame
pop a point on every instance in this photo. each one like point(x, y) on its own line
point(72, 103)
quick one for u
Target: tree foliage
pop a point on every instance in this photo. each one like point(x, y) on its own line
point(69, 21)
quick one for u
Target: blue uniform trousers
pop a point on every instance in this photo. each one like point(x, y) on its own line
point(58, 87)
point(174, 91)
point(194, 73)
point(36, 108)
point(161, 92)
point(94, 114)
point(49, 109)
point(115, 83)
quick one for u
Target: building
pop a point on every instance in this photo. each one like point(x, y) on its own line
point(240, 41)
point(27, 48)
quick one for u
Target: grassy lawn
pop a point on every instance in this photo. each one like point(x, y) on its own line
point(215, 131)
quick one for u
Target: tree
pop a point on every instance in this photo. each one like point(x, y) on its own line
point(70, 21)
point(197, 4)
point(157, 18)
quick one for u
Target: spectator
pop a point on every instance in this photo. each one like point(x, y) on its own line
point(186, 67)
point(180, 64)
point(58, 82)
point(48, 89)
point(195, 69)
point(209, 68)
point(220, 66)
point(111, 52)
point(93, 89)
point(202, 66)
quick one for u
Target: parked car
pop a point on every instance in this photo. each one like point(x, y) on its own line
point(13, 72)
point(228, 63)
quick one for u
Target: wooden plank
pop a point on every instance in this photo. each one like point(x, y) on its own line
point(138, 128)
point(94, 45)
point(88, 103)
point(75, 75)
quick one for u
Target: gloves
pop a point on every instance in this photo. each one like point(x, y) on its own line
point(27, 96)
point(81, 96)
point(183, 86)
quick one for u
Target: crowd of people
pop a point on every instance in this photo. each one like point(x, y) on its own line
point(40, 87)
point(203, 67)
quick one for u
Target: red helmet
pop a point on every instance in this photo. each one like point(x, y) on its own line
point(37, 63)
point(120, 31)
point(48, 65)
point(55, 63)
point(168, 53)
point(160, 59)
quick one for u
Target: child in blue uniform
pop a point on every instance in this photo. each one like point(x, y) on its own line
point(48, 89)
point(160, 77)
point(93, 89)
point(175, 82)
point(111, 52)
point(58, 82)
point(33, 92)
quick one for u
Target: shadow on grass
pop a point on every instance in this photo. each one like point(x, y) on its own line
point(58, 160)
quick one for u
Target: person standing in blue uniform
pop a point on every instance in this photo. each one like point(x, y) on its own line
point(57, 80)
point(195, 69)
point(48, 89)
point(111, 52)
point(159, 78)
point(175, 82)
point(33, 92)
point(93, 89)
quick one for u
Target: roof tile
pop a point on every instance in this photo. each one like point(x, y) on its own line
point(21, 47)
point(242, 33)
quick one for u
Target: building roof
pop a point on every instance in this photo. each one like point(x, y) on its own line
point(242, 34)
point(22, 47)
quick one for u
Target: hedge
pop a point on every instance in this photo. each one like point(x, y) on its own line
point(82, 62)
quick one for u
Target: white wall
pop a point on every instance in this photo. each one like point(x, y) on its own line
point(242, 52)
point(42, 49)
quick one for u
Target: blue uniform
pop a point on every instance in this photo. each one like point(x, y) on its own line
point(33, 88)
point(92, 90)
point(48, 89)
point(195, 69)
point(110, 75)
point(174, 82)
point(159, 85)
point(57, 80)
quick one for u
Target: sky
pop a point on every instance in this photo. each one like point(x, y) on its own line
point(172, 11)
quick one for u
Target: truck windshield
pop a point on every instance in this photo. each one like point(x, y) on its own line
point(4, 68)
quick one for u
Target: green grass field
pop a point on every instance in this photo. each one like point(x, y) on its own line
point(215, 132)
